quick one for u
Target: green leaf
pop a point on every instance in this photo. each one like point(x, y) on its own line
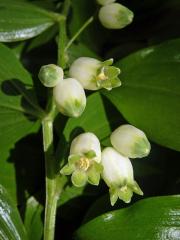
point(18, 112)
point(17, 100)
point(149, 97)
point(151, 219)
point(11, 226)
point(33, 219)
point(20, 20)
point(98, 117)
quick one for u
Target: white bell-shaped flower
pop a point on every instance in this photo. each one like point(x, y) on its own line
point(94, 74)
point(130, 141)
point(118, 175)
point(50, 75)
point(115, 16)
point(70, 97)
point(84, 143)
point(84, 160)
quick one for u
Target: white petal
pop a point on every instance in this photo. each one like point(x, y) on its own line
point(117, 168)
point(84, 143)
point(84, 69)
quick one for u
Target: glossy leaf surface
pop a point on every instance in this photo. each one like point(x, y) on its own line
point(21, 20)
point(149, 97)
point(11, 226)
point(152, 219)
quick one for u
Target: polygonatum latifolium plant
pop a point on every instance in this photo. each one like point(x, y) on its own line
point(62, 116)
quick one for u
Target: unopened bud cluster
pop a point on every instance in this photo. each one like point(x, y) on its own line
point(114, 15)
point(86, 162)
point(85, 73)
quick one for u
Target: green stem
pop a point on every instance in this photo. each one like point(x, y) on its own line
point(61, 44)
point(51, 198)
point(54, 182)
point(76, 35)
point(62, 38)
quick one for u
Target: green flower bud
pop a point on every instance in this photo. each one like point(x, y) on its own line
point(115, 16)
point(130, 141)
point(118, 175)
point(70, 97)
point(105, 2)
point(50, 75)
point(84, 160)
point(94, 74)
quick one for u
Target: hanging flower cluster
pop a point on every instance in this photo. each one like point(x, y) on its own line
point(114, 15)
point(87, 163)
point(85, 73)
point(128, 142)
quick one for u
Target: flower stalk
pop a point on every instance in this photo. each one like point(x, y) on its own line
point(54, 184)
point(51, 198)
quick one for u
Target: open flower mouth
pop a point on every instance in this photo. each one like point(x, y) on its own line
point(83, 163)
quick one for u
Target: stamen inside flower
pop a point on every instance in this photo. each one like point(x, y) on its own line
point(102, 76)
point(124, 188)
point(83, 163)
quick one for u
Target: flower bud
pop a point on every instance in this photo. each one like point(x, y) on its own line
point(50, 75)
point(94, 74)
point(115, 16)
point(70, 97)
point(105, 2)
point(118, 175)
point(84, 160)
point(130, 141)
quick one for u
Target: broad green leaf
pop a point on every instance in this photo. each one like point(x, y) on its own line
point(98, 117)
point(33, 219)
point(11, 226)
point(20, 20)
point(18, 112)
point(17, 100)
point(151, 219)
point(149, 97)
